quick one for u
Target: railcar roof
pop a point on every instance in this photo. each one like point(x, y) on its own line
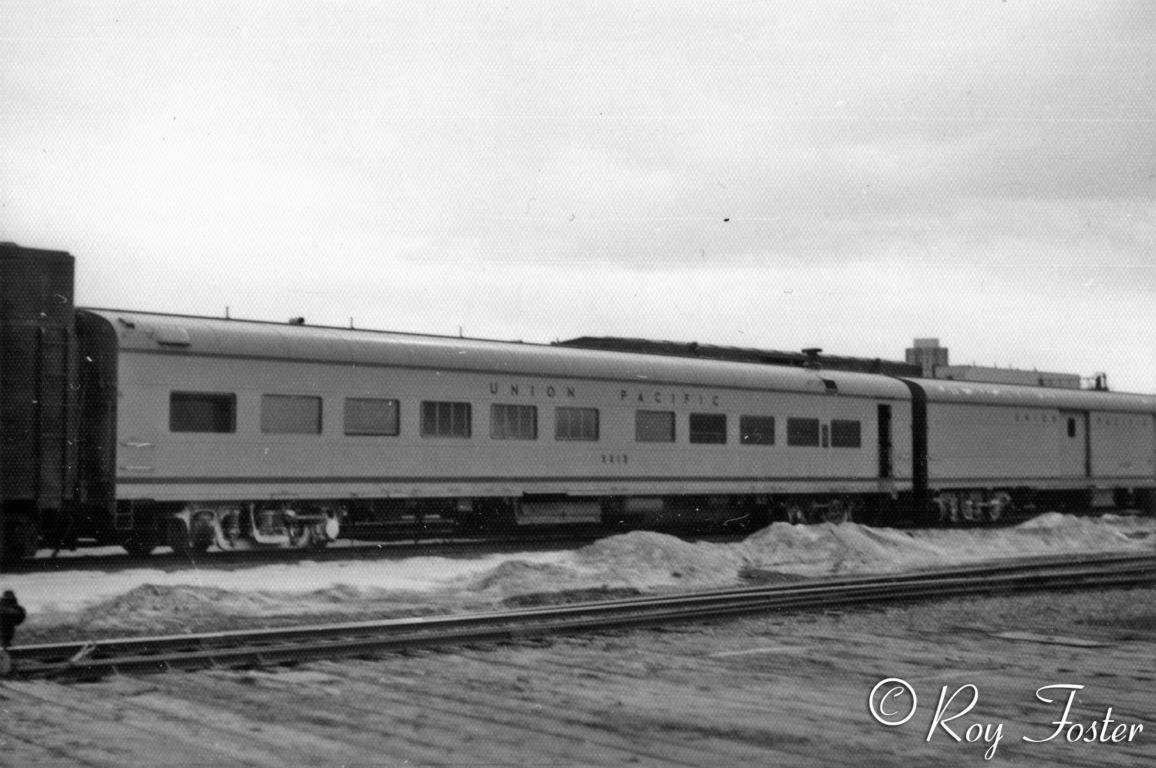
point(218, 337)
point(949, 391)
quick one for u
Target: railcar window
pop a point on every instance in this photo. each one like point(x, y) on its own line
point(654, 426)
point(1071, 427)
point(803, 432)
point(757, 430)
point(846, 434)
point(202, 412)
point(576, 423)
point(371, 416)
point(513, 422)
point(441, 419)
point(708, 428)
point(290, 415)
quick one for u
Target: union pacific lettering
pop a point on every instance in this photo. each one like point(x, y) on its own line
point(549, 391)
point(658, 397)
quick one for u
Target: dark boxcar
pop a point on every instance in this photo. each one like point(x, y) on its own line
point(37, 387)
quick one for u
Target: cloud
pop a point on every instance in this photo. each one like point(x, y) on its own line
point(909, 156)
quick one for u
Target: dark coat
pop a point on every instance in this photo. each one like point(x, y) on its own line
point(11, 615)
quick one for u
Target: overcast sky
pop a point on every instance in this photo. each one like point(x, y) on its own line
point(847, 175)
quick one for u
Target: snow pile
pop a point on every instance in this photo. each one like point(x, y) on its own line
point(825, 549)
point(152, 600)
point(646, 558)
point(517, 577)
point(636, 560)
point(64, 590)
point(819, 550)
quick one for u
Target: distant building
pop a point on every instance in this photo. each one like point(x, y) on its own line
point(928, 355)
point(933, 361)
point(926, 358)
point(808, 358)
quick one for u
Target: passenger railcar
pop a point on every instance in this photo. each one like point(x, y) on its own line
point(147, 429)
point(993, 447)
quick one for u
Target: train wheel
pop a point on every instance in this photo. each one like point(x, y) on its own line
point(795, 515)
point(139, 544)
point(203, 536)
point(185, 545)
point(837, 512)
point(177, 537)
point(997, 505)
point(942, 510)
point(1123, 498)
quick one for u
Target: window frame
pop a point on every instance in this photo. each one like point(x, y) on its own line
point(361, 433)
point(581, 436)
point(279, 396)
point(744, 431)
point(639, 414)
point(496, 408)
point(710, 436)
point(453, 406)
point(794, 423)
point(229, 397)
point(839, 435)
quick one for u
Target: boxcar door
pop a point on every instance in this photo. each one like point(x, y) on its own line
point(1074, 459)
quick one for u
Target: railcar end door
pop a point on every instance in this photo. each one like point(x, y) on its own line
point(884, 441)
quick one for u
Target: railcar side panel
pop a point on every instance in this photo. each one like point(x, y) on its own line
point(156, 463)
point(1123, 445)
point(997, 436)
point(976, 445)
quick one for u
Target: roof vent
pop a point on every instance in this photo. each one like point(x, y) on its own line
point(812, 360)
point(171, 335)
point(296, 321)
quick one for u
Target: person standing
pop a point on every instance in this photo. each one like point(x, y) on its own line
point(11, 616)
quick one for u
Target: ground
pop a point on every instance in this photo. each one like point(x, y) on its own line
point(66, 603)
point(781, 689)
point(787, 689)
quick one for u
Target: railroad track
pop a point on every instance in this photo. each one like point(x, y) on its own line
point(80, 660)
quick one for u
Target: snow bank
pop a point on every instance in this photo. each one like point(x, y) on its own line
point(65, 591)
point(640, 560)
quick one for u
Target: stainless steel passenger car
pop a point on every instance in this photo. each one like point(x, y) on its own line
point(148, 429)
point(217, 415)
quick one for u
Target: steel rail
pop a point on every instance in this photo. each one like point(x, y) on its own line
point(146, 645)
point(270, 646)
point(137, 645)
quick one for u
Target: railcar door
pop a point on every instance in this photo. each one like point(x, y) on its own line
point(1075, 460)
point(884, 441)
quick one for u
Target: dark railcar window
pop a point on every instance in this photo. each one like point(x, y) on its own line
point(513, 422)
point(371, 416)
point(846, 434)
point(441, 419)
point(202, 412)
point(803, 432)
point(654, 426)
point(1071, 427)
point(757, 430)
point(290, 415)
point(708, 428)
point(576, 424)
